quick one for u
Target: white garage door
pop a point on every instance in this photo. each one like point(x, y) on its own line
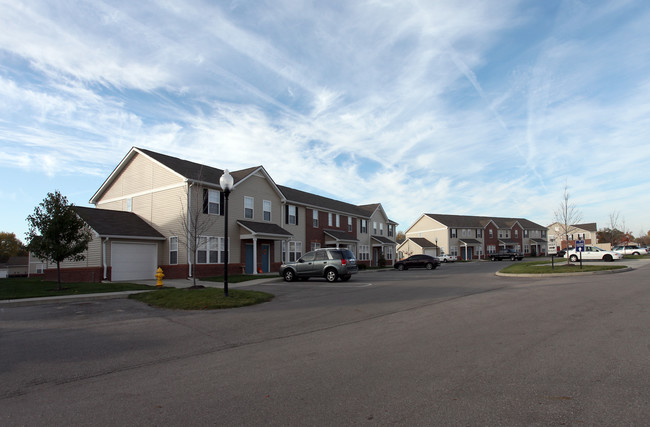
point(133, 261)
point(431, 252)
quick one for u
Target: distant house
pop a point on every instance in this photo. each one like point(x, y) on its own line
point(144, 209)
point(16, 266)
point(472, 237)
point(557, 236)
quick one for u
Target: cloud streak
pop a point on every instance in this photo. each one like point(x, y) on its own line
point(467, 108)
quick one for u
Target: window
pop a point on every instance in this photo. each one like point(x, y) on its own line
point(210, 250)
point(248, 207)
point(516, 233)
point(315, 217)
point(173, 250)
point(526, 249)
point(374, 227)
point(295, 250)
point(464, 233)
point(491, 249)
point(315, 245)
point(364, 226)
point(329, 219)
point(491, 233)
point(525, 233)
point(390, 230)
point(479, 233)
point(338, 221)
point(214, 202)
point(292, 214)
point(381, 228)
point(350, 224)
point(267, 210)
point(364, 252)
point(453, 250)
point(129, 204)
point(453, 232)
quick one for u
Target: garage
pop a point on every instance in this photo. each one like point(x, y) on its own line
point(133, 261)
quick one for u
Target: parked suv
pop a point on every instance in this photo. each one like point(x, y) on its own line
point(330, 263)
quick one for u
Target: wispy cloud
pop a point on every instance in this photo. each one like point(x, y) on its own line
point(470, 107)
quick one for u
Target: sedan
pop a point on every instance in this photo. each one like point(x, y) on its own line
point(593, 253)
point(630, 250)
point(418, 261)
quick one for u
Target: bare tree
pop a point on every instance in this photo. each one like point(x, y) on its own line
point(567, 215)
point(196, 223)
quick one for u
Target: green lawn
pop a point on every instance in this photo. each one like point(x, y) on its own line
point(544, 267)
point(23, 287)
point(201, 299)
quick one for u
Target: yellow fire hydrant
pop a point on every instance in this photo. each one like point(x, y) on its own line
point(159, 276)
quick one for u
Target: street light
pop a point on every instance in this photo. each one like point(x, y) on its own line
point(437, 248)
point(226, 181)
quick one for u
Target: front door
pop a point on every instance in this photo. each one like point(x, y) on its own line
point(266, 258)
point(249, 259)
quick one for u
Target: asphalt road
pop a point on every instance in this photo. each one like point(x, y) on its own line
point(453, 346)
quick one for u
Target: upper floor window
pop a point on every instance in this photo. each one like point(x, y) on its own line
point(516, 233)
point(248, 207)
point(292, 214)
point(525, 233)
point(350, 224)
point(364, 226)
point(212, 202)
point(329, 219)
point(390, 231)
point(453, 232)
point(129, 204)
point(315, 216)
point(491, 233)
point(381, 228)
point(374, 227)
point(479, 233)
point(267, 210)
point(338, 221)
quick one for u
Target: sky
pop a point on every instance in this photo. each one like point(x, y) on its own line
point(449, 107)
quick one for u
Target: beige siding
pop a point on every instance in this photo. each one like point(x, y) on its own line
point(141, 175)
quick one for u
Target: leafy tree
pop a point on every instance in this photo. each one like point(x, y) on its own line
point(10, 246)
point(566, 215)
point(401, 237)
point(56, 233)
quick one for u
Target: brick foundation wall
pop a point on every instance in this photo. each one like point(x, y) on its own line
point(83, 274)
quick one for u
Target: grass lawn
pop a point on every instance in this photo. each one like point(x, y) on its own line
point(544, 267)
point(201, 299)
point(23, 287)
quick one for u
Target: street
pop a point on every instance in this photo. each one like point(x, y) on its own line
point(453, 346)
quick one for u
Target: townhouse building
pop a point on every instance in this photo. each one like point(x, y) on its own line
point(156, 210)
point(472, 237)
point(557, 235)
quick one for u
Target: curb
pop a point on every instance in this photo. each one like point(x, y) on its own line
point(24, 302)
point(546, 275)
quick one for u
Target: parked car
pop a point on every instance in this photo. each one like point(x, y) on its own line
point(447, 258)
point(417, 261)
point(630, 250)
point(593, 253)
point(510, 254)
point(330, 263)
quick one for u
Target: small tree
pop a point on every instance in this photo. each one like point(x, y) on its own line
point(56, 233)
point(567, 215)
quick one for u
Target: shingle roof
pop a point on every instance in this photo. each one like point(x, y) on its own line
point(196, 171)
point(591, 226)
point(341, 235)
point(382, 239)
point(108, 223)
point(264, 228)
point(309, 199)
point(460, 221)
point(422, 242)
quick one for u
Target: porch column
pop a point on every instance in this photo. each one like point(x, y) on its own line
point(254, 255)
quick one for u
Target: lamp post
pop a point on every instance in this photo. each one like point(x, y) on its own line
point(437, 248)
point(226, 181)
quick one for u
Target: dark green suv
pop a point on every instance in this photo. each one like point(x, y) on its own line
point(329, 263)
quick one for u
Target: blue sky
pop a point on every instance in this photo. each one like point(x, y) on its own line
point(454, 107)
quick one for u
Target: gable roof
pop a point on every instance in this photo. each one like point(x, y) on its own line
point(315, 201)
point(111, 223)
point(591, 226)
point(422, 242)
point(461, 221)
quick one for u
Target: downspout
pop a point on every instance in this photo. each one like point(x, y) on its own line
point(104, 258)
point(189, 228)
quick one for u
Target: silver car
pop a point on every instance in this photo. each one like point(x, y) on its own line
point(330, 263)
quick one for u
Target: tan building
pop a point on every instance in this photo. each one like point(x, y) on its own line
point(156, 210)
point(472, 237)
point(557, 235)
